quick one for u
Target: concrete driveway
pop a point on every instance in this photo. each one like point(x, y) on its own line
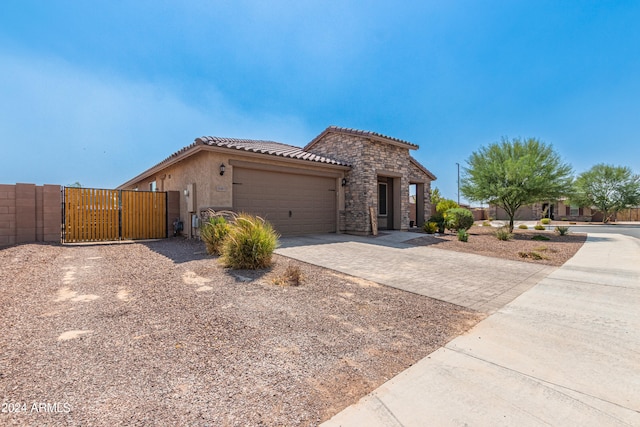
point(473, 281)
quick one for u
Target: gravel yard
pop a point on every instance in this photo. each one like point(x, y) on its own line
point(160, 334)
point(555, 251)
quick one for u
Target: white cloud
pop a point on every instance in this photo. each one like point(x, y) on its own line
point(62, 124)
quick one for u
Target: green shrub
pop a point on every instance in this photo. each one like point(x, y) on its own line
point(430, 227)
point(539, 227)
point(445, 204)
point(440, 217)
point(486, 223)
point(439, 221)
point(545, 221)
point(523, 227)
point(250, 243)
point(459, 219)
point(213, 233)
point(503, 233)
point(540, 237)
point(562, 230)
point(463, 235)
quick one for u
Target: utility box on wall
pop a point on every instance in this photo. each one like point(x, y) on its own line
point(191, 197)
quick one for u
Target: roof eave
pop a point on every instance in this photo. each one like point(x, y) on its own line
point(199, 146)
point(183, 154)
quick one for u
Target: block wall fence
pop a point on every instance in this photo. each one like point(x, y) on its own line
point(30, 213)
point(33, 213)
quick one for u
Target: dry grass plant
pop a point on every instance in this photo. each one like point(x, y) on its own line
point(292, 276)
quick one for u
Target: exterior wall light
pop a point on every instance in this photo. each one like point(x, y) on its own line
point(222, 168)
point(344, 181)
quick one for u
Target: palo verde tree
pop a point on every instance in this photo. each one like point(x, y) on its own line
point(607, 188)
point(515, 173)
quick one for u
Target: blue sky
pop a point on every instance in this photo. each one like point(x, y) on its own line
point(99, 91)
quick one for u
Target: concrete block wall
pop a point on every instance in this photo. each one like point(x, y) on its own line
point(30, 213)
point(7, 215)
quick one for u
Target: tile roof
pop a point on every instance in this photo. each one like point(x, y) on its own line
point(364, 133)
point(267, 147)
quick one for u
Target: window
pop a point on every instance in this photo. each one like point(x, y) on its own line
point(152, 186)
point(574, 211)
point(382, 199)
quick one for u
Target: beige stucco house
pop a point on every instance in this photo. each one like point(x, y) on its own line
point(557, 210)
point(334, 184)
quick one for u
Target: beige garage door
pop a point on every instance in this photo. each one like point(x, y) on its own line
point(294, 204)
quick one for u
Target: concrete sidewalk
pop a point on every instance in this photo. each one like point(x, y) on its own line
point(473, 281)
point(566, 352)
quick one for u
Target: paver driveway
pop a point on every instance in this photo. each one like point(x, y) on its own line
point(473, 281)
point(564, 353)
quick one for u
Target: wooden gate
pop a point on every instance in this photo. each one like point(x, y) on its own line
point(92, 215)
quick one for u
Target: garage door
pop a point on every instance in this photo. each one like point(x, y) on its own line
point(294, 204)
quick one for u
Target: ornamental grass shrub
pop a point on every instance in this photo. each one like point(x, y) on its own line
point(562, 230)
point(292, 276)
point(503, 233)
point(213, 232)
point(250, 243)
point(430, 227)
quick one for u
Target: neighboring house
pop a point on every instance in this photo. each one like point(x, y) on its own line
point(558, 210)
point(327, 186)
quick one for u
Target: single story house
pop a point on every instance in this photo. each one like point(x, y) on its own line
point(343, 181)
point(555, 210)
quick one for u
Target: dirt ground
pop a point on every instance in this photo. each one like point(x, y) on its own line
point(160, 334)
point(482, 241)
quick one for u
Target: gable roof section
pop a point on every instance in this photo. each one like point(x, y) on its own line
point(365, 133)
point(422, 168)
point(268, 148)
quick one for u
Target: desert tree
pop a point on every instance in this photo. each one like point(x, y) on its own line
point(608, 188)
point(515, 173)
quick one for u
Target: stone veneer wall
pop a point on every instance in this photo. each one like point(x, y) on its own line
point(369, 159)
point(417, 176)
point(360, 186)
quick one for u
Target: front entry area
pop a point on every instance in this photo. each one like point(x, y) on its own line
point(389, 203)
